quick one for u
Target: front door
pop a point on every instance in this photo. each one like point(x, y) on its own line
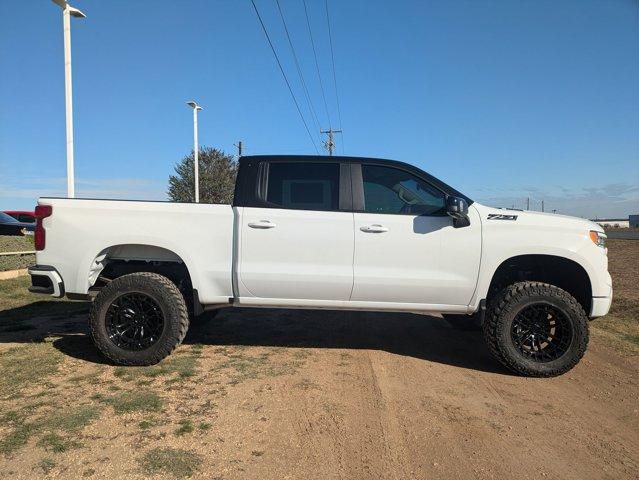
point(300, 244)
point(406, 247)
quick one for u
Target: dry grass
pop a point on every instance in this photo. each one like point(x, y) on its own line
point(621, 325)
point(176, 462)
point(25, 365)
point(16, 244)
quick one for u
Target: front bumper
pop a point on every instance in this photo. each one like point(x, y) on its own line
point(46, 280)
point(600, 306)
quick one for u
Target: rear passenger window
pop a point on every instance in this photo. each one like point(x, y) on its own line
point(303, 186)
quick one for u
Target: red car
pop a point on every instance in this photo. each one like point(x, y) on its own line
point(22, 215)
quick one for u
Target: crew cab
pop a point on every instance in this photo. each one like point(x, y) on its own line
point(334, 233)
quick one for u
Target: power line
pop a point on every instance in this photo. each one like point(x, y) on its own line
point(299, 70)
point(319, 76)
point(330, 39)
point(277, 59)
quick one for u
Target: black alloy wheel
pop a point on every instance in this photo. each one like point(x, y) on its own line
point(541, 332)
point(134, 321)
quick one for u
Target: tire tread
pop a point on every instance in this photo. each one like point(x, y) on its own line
point(500, 306)
point(169, 344)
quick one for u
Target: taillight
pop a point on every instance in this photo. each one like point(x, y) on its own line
point(39, 235)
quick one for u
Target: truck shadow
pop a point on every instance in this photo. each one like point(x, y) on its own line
point(419, 336)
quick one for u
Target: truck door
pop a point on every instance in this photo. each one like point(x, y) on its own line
point(296, 240)
point(406, 248)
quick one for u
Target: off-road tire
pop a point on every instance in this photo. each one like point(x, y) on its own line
point(503, 309)
point(168, 297)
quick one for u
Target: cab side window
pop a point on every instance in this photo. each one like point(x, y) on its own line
point(393, 191)
point(303, 186)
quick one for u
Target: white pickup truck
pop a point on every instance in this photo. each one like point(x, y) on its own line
point(334, 233)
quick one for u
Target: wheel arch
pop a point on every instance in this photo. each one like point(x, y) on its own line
point(120, 259)
point(562, 272)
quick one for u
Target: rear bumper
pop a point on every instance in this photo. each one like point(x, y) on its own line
point(46, 280)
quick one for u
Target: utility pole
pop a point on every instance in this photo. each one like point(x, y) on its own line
point(329, 143)
point(67, 12)
point(542, 205)
point(196, 150)
point(527, 203)
point(239, 148)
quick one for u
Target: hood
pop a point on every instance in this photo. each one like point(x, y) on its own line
point(531, 218)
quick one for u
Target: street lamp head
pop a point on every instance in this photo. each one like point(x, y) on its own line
point(74, 12)
point(194, 105)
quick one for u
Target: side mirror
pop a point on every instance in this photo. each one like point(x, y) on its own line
point(457, 208)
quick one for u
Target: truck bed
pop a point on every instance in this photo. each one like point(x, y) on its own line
point(79, 231)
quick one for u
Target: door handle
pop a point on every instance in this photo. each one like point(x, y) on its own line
point(374, 229)
point(263, 224)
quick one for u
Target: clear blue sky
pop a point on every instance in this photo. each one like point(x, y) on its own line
point(502, 99)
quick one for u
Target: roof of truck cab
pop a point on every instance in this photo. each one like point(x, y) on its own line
point(319, 158)
point(343, 159)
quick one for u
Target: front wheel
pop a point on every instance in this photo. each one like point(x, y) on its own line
point(138, 319)
point(536, 329)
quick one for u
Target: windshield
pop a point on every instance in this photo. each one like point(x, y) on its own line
point(4, 218)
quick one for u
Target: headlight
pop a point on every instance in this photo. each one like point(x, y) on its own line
point(598, 238)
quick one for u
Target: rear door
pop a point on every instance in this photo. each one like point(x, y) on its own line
point(296, 241)
point(406, 247)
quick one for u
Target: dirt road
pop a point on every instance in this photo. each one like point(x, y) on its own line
point(315, 395)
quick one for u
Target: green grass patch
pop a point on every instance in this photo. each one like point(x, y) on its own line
point(186, 426)
point(49, 426)
point(73, 419)
point(26, 366)
point(53, 442)
point(181, 365)
point(127, 402)
point(148, 423)
point(176, 462)
point(46, 465)
point(204, 426)
point(17, 438)
point(243, 365)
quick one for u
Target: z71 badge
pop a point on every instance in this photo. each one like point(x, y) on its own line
point(501, 216)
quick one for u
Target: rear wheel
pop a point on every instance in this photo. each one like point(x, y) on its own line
point(536, 329)
point(138, 319)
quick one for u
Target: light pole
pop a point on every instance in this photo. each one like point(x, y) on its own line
point(67, 12)
point(195, 108)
